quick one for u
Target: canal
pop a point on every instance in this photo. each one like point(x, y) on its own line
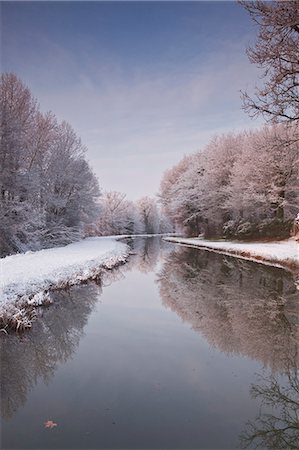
point(178, 349)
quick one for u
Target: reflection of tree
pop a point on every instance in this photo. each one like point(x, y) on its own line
point(239, 306)
point(53, 339)
point(145, 253)
point(249, 309)
point(278, 429)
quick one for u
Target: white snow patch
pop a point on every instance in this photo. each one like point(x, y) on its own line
point(38, 299)
point(27, 277)
point(281, 253)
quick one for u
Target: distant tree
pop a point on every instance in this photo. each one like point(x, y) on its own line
point(149, 214)
point(117, 215)
point(276, 52)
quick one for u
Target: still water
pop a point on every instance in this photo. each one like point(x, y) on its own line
point(179, 348)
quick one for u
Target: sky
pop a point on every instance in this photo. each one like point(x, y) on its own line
point(142, 83)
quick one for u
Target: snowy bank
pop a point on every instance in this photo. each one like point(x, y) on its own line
point(279, 253)
point(26, 278)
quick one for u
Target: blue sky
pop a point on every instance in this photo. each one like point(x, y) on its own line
point(142, 83)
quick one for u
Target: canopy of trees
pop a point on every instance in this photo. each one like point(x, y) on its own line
point(243, 185)
point(47, 189)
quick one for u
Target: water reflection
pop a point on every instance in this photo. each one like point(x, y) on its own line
point(55, 336)
point(27, 358)
point(246, 309)
point(240, 307)
point(146, 253)
point(279, 427)
point(149, 379)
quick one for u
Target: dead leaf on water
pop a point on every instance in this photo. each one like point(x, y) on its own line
point(50, 424)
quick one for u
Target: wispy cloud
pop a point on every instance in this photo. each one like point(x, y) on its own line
point(136, 121)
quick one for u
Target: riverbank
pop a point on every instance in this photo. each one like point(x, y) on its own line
point(277, 253)
point(25, 279)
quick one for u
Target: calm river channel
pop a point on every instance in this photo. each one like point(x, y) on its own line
point(178, 349)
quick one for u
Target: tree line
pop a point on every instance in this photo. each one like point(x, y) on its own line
point(47, 188)
point(118, 215)
point(242, 185)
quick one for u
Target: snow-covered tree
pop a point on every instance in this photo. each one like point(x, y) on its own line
point(117, 215)
point(219, 158)
point(263, 189)
point(175, 197)
point(47, 189)
point(165, 224)
point(276, 53)
point(242, 185)
point(149, 214)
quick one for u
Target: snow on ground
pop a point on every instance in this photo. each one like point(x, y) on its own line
point(281, 253)
point(26, 277)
